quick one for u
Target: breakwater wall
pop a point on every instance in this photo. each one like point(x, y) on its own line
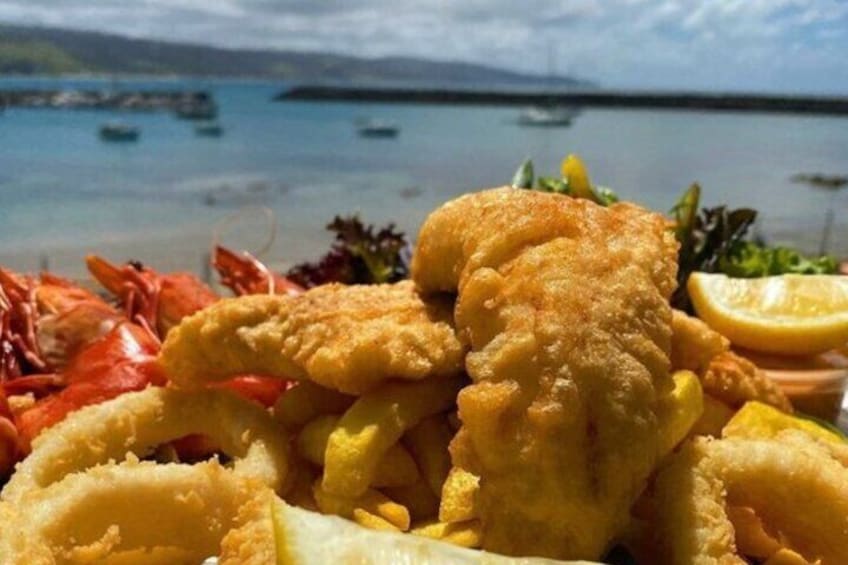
point(833, 105)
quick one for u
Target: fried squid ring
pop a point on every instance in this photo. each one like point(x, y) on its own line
point(793, 483)
point(253, 540)
point(138, 422)
point(114, 513)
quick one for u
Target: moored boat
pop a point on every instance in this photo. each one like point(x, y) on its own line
point(547, 116)
point(119, 131)
point(209, 129)
point(376, 128)
point(198, 109)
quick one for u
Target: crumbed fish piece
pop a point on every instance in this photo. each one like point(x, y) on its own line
point(565, 305)
point(725, 375)
point(347, 338)
point(693, 343)
point(735, 380)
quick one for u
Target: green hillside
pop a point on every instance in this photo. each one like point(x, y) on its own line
point(32, 56)
point(36, 50)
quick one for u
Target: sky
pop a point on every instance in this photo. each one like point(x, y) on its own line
point(742, 45)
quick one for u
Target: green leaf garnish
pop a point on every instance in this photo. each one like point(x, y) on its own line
point(746, 259)
point(523, 177)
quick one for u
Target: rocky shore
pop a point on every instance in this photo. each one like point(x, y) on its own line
point(148, 101)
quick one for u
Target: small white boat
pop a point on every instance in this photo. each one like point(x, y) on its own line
point(376, 128)
point(119, 131)
point(200, 109)
point(547, 116)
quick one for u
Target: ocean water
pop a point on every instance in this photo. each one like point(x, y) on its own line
point(63, 191)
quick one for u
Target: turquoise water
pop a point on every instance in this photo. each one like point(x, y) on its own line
point(63, 190)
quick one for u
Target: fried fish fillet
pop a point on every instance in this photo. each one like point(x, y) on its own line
point(565, 306)
point(693, 343)
point(347, 338)
point(725, 375)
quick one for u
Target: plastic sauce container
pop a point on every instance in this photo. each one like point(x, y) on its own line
point(815, 385)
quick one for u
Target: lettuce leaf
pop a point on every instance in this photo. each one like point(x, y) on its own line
point(524, 177)
point(359, 254)
point(746, 259)
point(705, 238)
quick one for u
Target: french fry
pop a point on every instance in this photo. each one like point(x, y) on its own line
point(678, 412)
point(418, 499)
point(374, 423)
point(368, 520)
point(396, 468)
point(300, 491)
point(428, 442)
point(716, 414)
point(311, 442)
point(371, 501)
point(464, 534)
point(304, 402)
point(459, 496)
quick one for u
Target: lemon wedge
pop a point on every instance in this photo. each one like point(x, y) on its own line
point(788, 314)
point(307, 538)
point(758, 420)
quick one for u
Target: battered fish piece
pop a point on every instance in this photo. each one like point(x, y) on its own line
point(694, 344)
point(565, 305)
point(735, 380)
point(725, 375)
point(348, 338)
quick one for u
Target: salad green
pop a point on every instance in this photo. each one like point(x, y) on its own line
point(712, 240)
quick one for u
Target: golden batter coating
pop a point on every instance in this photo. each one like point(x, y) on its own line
point(565, 305)
point(735, 380)
point(348, 338)
point(791, 481)
point(724, 375)
point(694, 343)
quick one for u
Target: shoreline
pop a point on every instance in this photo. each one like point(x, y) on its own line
point(87, 99)
point(188, 249)
point(185, 248)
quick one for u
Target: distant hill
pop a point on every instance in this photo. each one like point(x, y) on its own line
point(37, 50)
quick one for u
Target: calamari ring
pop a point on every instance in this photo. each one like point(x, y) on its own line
point(139, 421)
point(16, 545)
point(106, 515)
point(791, 481)
point(253, 540)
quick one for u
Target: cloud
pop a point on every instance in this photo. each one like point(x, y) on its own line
point(788, 45)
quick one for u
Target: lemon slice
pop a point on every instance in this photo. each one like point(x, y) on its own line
point(307, 538)
point(789, 314)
